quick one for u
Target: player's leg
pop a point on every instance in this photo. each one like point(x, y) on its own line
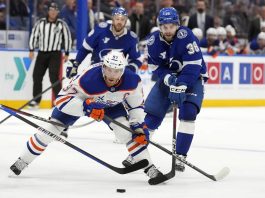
point(136, 151)
point(187, 116)
point(158, 97)
point(34, 147)
point(37, 143)
point(154, 116)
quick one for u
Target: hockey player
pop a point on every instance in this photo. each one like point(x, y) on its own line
point(106, 37)
point(98, 91)
point(175, 57)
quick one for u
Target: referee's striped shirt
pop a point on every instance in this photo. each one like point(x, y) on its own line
point(50, 36)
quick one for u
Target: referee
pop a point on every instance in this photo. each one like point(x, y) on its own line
point(50, 35)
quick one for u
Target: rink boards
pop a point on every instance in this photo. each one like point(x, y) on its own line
point(233, 80)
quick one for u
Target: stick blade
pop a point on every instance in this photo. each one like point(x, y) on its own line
point(162, 178)
point(134, 167)
point(222, 174)
point(158, 180)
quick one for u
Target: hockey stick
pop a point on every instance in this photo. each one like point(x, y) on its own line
point(139, 165)
point(36, 97)
point(46, 120)
point(172, 172)
point(220, 175)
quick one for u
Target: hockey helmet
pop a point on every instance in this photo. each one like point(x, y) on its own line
point(168, 15)
point(115, 60)
point(221, 31)
point(119, 11)
point(198, 33)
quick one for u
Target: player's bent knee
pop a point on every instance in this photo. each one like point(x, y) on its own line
point(121, 134)
point(152, 122)
point(52, 128)
point(188, 111)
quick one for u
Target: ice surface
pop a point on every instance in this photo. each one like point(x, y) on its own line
point(233, 137)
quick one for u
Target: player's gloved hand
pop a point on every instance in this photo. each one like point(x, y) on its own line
point(93, 109)
point(170, 79)
point(142, 133)
point(71, 68)
point(177, 93)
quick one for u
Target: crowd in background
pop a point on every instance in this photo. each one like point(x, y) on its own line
point(222, 26)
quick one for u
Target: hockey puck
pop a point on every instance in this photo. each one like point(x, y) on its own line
point(121, 190)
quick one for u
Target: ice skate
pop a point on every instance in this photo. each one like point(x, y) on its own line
point(180, 165)
point(18, 166)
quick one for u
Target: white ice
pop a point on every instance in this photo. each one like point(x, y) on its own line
point(233, 137)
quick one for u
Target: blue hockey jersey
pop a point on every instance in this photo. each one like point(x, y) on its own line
point(101, 40)
point(182, 56)
point(186, 57)
point(158, 54)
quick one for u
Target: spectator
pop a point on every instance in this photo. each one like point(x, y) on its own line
point(91, 15)
point(42, 8)
point(217, 22)
point(68, 14)
point(139, 23)
point(255, 24)
point(19, 12)
point(2, 21)
point(200, 19)
point(2, 6)
point(166, 3)
point(48, 34)
point(19, 8)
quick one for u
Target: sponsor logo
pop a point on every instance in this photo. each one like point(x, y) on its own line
point(182, 34)
point(223, 73)
point(22, 65)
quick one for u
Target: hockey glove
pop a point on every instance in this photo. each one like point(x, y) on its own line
point(71, 68)
point(93, 109)
point(170, 79)
point(142, 133)
point(177, 94)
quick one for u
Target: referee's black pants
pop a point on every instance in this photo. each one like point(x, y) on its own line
point(45, 60)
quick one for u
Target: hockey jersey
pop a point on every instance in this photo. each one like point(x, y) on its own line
point(182, 56)
point(91, 84)
point(158, 54)
point(186, 57)
point(101, 40)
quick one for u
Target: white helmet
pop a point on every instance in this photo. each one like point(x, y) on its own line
point(211, 31)
point(230, 29)
point(221, 31)
point(115, 59)
point(198, 33)
point(261, 36)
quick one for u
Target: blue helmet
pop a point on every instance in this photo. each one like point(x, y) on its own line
point(119, 11)
point(168, 15)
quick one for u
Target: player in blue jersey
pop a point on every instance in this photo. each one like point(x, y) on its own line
point(175, 57)
point(94, 93)
point(106, 37)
